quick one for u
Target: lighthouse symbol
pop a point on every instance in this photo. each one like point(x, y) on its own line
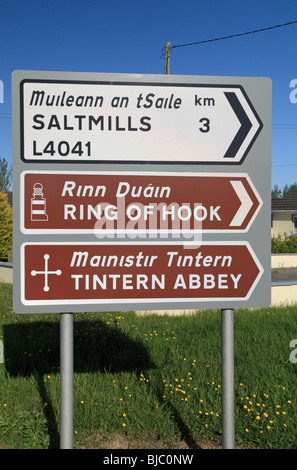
point(38, 203)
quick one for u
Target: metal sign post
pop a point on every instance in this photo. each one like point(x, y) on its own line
point(228, 419)
point(66, 386)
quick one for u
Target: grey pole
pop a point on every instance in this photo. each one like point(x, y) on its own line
point(228, 418)
point(66, 386)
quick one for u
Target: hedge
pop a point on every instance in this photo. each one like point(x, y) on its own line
point(284, 243)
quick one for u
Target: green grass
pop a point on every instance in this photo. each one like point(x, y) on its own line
point(143, 375)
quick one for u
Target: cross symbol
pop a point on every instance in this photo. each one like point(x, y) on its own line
point(46, 272)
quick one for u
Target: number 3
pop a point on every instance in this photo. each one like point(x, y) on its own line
point(206, 125)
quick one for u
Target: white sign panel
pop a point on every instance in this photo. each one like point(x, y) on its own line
point(128, 122)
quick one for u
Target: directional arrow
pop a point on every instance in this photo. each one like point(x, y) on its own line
point(244, 129)
point(118, 202)
point(211, 272)
point(174, 122)
point(246, 204)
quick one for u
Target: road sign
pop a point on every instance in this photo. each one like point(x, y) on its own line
point(100, 274)
point(101, 121)
point(110, 158)
point(117, 202)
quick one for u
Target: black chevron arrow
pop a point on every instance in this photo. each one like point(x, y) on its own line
point(244, 121)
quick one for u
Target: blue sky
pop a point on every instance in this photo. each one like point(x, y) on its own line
point(128, 37)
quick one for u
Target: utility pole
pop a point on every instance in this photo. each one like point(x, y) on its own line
point(167, 57)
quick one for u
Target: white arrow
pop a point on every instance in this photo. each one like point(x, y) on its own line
point(246, 203)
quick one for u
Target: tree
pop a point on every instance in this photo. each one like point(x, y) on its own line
point(5, 226)
point(276, 192)
point(5, 175)
point(287, 188)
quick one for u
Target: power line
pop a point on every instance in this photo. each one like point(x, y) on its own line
point(285, 164)
point(229, 37)
point(285, 127)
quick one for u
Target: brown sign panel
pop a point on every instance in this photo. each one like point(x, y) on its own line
point(54, 273)
point(84, 202)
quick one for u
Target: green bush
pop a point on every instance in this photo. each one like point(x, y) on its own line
point(5, 226)
point(284, 243)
